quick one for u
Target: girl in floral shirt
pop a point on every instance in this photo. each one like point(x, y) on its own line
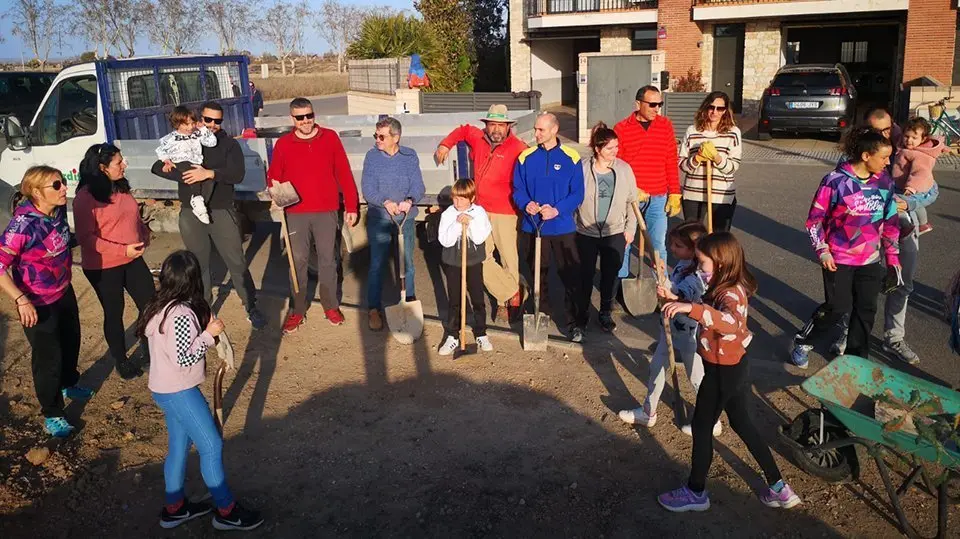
point(723, 342)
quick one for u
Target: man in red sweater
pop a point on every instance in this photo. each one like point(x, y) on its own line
point(494, 151)
point(313, 160)
point(648, 144)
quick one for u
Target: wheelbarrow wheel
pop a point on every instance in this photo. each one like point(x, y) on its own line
point(834, 466)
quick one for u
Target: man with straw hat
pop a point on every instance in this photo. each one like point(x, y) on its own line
point(494, 150)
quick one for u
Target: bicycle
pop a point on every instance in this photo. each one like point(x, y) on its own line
point(942, 124)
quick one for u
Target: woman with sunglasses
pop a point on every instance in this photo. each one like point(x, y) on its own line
point(112, 239)
point(35, 270)
point(713, 138)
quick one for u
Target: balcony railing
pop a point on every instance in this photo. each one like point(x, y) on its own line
point(536, 8)
point(703, 3)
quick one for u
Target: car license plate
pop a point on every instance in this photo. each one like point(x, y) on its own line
point(802, 105)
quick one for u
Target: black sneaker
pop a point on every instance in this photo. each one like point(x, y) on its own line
point(256, 318)
point(188, 511)
point(606, 322)
point(576, 335)
point(128, 369)
point(238, 519)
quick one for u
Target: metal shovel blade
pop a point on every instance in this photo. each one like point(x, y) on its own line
point(639, 295)
point(405, 320)
point(535, 330)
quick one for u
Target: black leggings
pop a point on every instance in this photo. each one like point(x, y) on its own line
point(853, 290)
point(725, 389)
point(610, 251)
point(109, 284)
point(722, 214)
point(55, 343)
point(474, 298)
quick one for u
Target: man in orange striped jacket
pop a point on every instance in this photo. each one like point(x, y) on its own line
point(649, 145)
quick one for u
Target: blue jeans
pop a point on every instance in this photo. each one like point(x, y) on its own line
point(189, 420)
point(380, 235)
point(656, 218)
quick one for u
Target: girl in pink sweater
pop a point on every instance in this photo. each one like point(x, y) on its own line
point(179, 328)
point(913, 170)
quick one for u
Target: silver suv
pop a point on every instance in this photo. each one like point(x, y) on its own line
point(808, 98)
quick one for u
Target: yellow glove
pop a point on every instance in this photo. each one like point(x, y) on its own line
point(707, 152)
point(672, 207)
point(642, 196)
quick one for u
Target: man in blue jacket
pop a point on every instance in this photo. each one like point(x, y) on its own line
point(548, 189)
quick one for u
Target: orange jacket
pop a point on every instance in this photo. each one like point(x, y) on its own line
point(492, 168)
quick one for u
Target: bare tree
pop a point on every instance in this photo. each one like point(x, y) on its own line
point(231, 20)
point(35, 23)
point(174, 34)
point(338, 23)
point(113, 23)
point(283, 26)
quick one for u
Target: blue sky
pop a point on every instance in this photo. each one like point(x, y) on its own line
point(12, 47)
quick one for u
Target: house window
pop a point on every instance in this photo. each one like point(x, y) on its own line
point(644, 39)
point(853, 52)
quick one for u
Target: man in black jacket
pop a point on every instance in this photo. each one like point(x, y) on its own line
point(222, 164)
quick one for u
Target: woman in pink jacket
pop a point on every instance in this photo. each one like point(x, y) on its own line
point(112, 240)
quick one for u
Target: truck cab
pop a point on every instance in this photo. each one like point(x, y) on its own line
point(126, 103)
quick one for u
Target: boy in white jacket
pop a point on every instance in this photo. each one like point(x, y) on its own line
point(464, 211)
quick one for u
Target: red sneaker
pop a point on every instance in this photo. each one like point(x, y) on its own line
point(924, 229)
point(335, 316)
point(293, 322)
point(515, 300)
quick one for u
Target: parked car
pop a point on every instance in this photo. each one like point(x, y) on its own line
point(22, 92)
point(808, 98)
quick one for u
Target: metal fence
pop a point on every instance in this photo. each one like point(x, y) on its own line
point(441, 102)
point(681, 107)
point(549, 7)
point(381, 76)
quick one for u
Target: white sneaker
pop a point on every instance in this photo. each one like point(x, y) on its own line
point(717, 429)
point(638, 417)
point(484, 344)
point(449, 346)
point(200, 209)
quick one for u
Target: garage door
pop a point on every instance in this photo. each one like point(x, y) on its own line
point(612, 86)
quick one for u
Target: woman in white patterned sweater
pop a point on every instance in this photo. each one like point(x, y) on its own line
point(712, 137)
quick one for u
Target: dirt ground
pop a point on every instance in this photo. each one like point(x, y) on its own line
point(338, 431)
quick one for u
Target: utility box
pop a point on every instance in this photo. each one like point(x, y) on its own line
point(608, 84)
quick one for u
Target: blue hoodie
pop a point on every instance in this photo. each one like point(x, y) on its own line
point(553, 177)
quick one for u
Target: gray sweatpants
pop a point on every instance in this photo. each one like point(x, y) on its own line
point(223, 232)
point(320, 228)
point(895, 307)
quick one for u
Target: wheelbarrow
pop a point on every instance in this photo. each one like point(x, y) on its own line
point(885, 412)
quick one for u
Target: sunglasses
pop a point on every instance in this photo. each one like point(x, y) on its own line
point(713, 108)
point(654, 104)
point(210, 120)
point(381, 138)
point(56, 185)
point(302, 117)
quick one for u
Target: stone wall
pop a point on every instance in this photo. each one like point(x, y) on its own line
point(519, 52)
point(614, 39)
point(706, 56)
point(762, 56)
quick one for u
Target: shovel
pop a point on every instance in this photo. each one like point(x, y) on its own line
point(639, 293)
point(679, 410)
point(535, 325)
point(405, 319)
point(463, 288)
point(225, 351)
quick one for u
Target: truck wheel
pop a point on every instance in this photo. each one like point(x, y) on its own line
point(6, 202)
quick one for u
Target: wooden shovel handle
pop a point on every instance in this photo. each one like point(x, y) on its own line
point(286, 240)
point(709, 197)
point(463, 288)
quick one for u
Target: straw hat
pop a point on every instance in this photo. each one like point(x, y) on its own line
point(497, 113)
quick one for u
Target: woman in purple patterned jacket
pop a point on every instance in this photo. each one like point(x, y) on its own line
point(35, 270)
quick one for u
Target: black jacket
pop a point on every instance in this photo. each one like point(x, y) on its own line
point(225, 160)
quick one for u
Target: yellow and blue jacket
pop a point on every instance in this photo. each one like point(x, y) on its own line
point(553, 177)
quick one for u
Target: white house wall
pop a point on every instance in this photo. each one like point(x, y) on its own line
point(550, 60)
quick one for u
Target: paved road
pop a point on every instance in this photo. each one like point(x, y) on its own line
point(322, 105)
point(773, 202)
